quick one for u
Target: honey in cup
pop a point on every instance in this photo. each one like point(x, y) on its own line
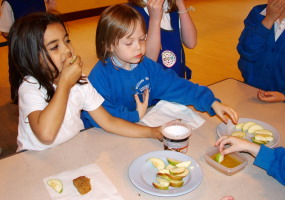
point(176, 136)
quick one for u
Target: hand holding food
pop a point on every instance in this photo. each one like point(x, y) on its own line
point(236, 145)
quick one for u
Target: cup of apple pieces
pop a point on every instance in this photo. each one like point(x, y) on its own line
point(171, 174)
point(260, 135)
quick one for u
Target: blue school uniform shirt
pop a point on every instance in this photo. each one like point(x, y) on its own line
point(273, 161)
point(262, 59)
point(172, 53)
point(118, 87)
point(21, 8)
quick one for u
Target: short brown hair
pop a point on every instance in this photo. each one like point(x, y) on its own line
point(115, 22)
point(140, 3)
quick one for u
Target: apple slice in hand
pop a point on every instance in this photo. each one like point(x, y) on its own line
point(157, 162)
point(219, 157)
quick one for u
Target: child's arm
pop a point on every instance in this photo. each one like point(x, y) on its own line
point(188, 29)
point(121, 127)
point(46, 123)
point(236, 144)
point(153, 42)
point(270, 96)
point(222, 109)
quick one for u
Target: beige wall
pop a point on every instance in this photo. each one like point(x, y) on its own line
point(67, 6)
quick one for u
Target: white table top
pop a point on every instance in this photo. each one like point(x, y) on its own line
point(21, 174)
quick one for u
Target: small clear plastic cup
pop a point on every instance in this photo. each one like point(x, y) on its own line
point(176, 136)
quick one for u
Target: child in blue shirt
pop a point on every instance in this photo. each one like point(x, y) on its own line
point(271, 160)
point(262, 48)
point(131, 82)
point(170, 26)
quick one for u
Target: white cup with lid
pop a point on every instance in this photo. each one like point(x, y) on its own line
point(176, 136)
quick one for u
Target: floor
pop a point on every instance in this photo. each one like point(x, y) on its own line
point(219, 23)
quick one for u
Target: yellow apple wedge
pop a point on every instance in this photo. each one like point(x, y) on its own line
point(157, 162)
point(184, 174)
point(173, 161)
point(254, 128)
point(55, 184)
point(239, 126)
point(161, 184)
point(176, 183)
point(239, 134)
point(169, 167)
point(184, 164)
point(177, 170)
point(174, 177)
point(247, 125)
point(263, 131)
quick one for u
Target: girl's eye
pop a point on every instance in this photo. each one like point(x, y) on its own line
point(128, 44)
point(54, 48)
point(68, 41)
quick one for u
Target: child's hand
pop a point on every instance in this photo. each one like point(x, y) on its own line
point(155, 9)
point(270, 96)
point(275, 8)
point(228, 198)
point(236, 144)
point(222, 109)
point(142, 106)
point(156, 132)
point(71, 71)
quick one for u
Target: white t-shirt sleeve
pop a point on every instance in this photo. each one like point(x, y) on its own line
point(92, 98)
point(6, 17)
point(31, 98)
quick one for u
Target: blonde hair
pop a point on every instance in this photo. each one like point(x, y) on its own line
point(116, 22)
point(171, 4)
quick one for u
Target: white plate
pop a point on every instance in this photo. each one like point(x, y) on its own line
point(143, 174)
point(228, 129)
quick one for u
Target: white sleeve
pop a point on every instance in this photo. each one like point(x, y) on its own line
point(6, 17)
point(31, 98)
point(92, 98)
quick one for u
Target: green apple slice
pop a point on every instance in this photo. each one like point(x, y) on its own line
point(239, 134)
point(239, 126)
point(163, 171)
point(55, 184)
point(161, 184)
point(184, 164)
point(219, 157)
point(184, 174)
point(263, 131)
point(173, 161)
point(169, 167)
point(176, 183)
point(177, 170)
point(254, 128)
point(257, 141)
point(247, 125)
point(157, 162)
point(174, 177)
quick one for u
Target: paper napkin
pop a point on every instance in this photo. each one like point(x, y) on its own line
point(102, 187)
point(165, 111)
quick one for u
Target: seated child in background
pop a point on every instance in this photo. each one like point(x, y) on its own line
point(261, 49)
point(48, 85)
point(170, 26)
point(130, 82)
point(271, 160)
